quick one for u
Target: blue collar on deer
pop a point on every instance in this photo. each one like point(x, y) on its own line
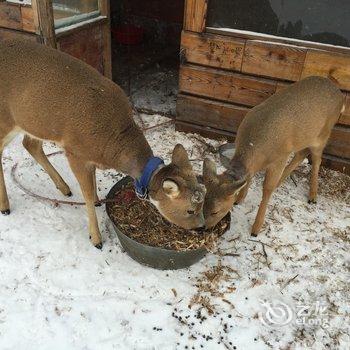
point(141, 184)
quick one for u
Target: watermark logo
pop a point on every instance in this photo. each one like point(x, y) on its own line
point(277, 313)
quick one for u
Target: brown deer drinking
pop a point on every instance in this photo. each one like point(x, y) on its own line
point(48, 95)
point(297, 120)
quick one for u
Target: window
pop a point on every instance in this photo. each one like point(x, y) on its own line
point(22, 2)
point(68, 12)
point(323, 21)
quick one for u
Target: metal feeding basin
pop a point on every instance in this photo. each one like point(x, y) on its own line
point(156, 257)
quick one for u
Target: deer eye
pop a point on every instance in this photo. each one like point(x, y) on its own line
point(215, 213)
point(190, 212)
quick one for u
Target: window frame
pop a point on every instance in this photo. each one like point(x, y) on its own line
point(195, 20)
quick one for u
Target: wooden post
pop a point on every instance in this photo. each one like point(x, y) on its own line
point(104, 6)
point(44, 21)
point(195, 15)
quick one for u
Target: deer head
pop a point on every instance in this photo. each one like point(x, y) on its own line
point(176, 193)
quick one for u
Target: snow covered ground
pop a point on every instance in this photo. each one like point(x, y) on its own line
point(287, 289)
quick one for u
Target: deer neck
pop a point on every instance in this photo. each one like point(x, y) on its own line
point(129, 154)
point(238, 168)
point(142, 183)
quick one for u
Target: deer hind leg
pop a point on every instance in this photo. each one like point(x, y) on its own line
point(85, 175)
point(295, 162)
point(5, 137)
point(35, 148)
point(272, 177)
point(316, 157)
point(97, 201)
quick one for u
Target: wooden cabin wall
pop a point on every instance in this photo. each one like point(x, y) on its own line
point(89, 42)
point(16, 16)
point(223, 76)
point(6, 34)
point(85, 44)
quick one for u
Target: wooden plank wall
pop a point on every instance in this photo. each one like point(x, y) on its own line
point(195, 15)
point(16, 16)
point(45, 23)
point(6, 34)
point(85, 44)
point(222, 77)
point(90, 43)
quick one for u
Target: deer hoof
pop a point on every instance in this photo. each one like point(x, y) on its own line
point(6, 212)
point(312, 201)
point(69, 194)
point(99, 246)
point(98, 204)
point(253, 234)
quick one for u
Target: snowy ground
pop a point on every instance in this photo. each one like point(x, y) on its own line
point(58, 292)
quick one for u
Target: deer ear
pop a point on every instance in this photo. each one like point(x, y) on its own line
point(171, 188)
point(209, 170)
point(233, 188)
point(180, 157)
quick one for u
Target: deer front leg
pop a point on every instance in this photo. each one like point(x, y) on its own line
point(272, 177)
point(85, 173)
